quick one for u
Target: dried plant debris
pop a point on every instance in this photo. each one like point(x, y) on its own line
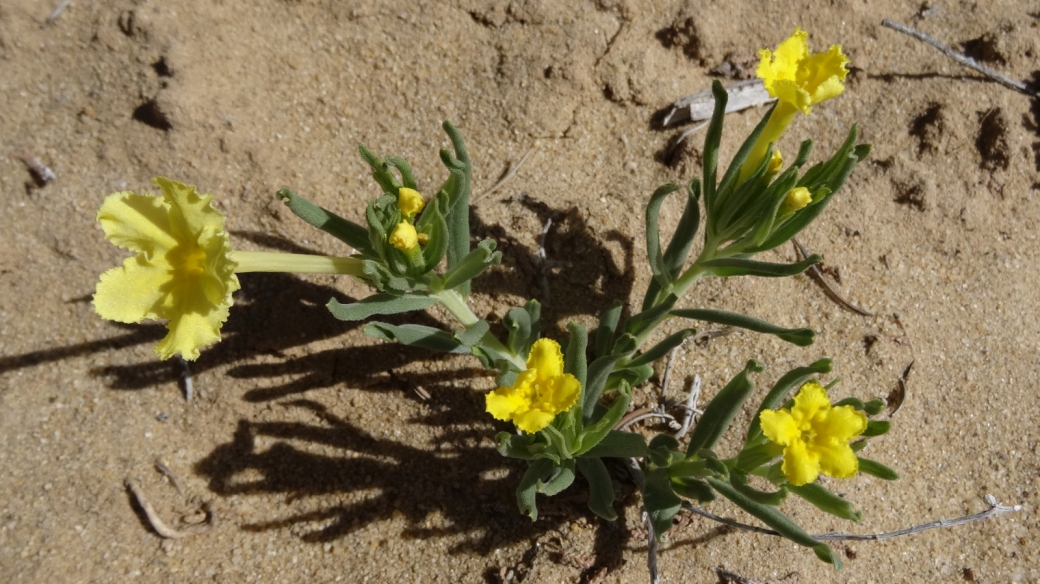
point(992, 140)
point(160, 526)
point(898, 395)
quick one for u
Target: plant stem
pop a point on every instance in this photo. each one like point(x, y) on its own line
point(456, 305)
point(262, 261)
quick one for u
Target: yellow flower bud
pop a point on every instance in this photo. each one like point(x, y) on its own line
point(795, 199)
point(775, 164)
point(410, 202)
point(423, 238)
point(404, 236)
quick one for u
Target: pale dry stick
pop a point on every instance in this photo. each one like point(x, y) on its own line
point(640, 415)
point(995, 509)
point(160, 526)
point(651, 549)
point(817, 277)
point(682, 138)
point(505, 177)
point(690, 407)
point(667, 376)
point(165, 470)
point(701, 105)
point(961, 58)
point(57, 12)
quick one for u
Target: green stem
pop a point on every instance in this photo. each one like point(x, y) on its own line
point(456, 305)
point(295, 263)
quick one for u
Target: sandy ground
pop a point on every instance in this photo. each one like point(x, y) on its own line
point(321, 460)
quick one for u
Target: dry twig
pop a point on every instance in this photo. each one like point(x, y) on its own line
point(165, 470)
point(57, 12)
point(817, 277)
point(690, 407)
point(160, 526)
point(505, 177)
point(961, 58)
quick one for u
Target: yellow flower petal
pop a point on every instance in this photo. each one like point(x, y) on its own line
point(801, 464)
point(183, 271)
point(837, 460)
point(810, 401)
point(780, 427)
point(539, 393)
point(796, 199)
point(841, 424)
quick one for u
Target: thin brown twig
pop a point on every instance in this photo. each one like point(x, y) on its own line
point(995, 509)
point(817, 277)
point(961, 58)
point(640, 415)
point(165, 470)
point(160, 526)
point(505, 177)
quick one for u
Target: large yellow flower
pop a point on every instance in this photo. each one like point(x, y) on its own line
point(798, 80)
point(815, 436)
point(539, 393)
point(182, 271)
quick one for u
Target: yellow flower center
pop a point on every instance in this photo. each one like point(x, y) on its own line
point(187, 260)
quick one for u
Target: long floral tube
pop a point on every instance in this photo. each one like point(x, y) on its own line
point(262, 261)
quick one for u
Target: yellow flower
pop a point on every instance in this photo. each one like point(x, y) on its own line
point(182, 271)
point(815, 436)
point(409, 201)
point(795, 199)
point(404, 236)
point(539, 393)
point(799, 80)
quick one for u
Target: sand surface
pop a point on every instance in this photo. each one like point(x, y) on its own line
point(321, 459)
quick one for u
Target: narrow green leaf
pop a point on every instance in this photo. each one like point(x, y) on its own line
point(561, 478)
point(682, 240)
point(739, 480)
point(778, 393)
point(345, 230)
point(744, 267)
point(826, 501)
point(632, 375)
point(618, 444)
point(877, 428)
point(522, 446)
point(661, 502)
point(712, 139)
point(518, 324)
point(381, 303)
point(721, 410)
point(416, 335)
point(574, 360)
point(772, 517)
point(457, 187)
point(527, 490)
point(647, 319)
point(473, 335)
point(802, 337)
point(596, 432)
point(601, 489)
point(432, 223)
point(874, 406)
point(380, 171)
point(733, 172)
point(478, 260)
point(660, 272)
point(876, 469)
point(605, 331)
point(599, 370)
point(661, 349)
point(557, 441)
point(692, 488)
point(407, 178)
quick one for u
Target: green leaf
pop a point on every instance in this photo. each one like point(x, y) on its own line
point(802, 337)
point(712, 139)
point(661, 502)
point(743, 267)
point(601, 489)
point(661, 273)
point(574, 361)
point(432, 223)
point(524, 326)
point(381, 303)
point(772, 517)
point(874, 407)
point(661, 349)
point(522, 446)
point(826, 501)
point(472, 265)
point(557, 441)
point(473, 335)
point(599, 371)
point(752, 457)
point(457, 188)
point(345, 230)
point(661, 448)
point(877, 428)
point(527, 490)
point(648, 319)
point(415, 335)
point(876, 469)
point(721, 410)
point(407, 178)
point(778, 393)
point(617, 444)
point(733, 172)
point(605, 331)
point(739, 481)
point(380, 171)
point(561, 478)
point(692, 488)
point(682, 240)
point(634, 375)
point(596, 432)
